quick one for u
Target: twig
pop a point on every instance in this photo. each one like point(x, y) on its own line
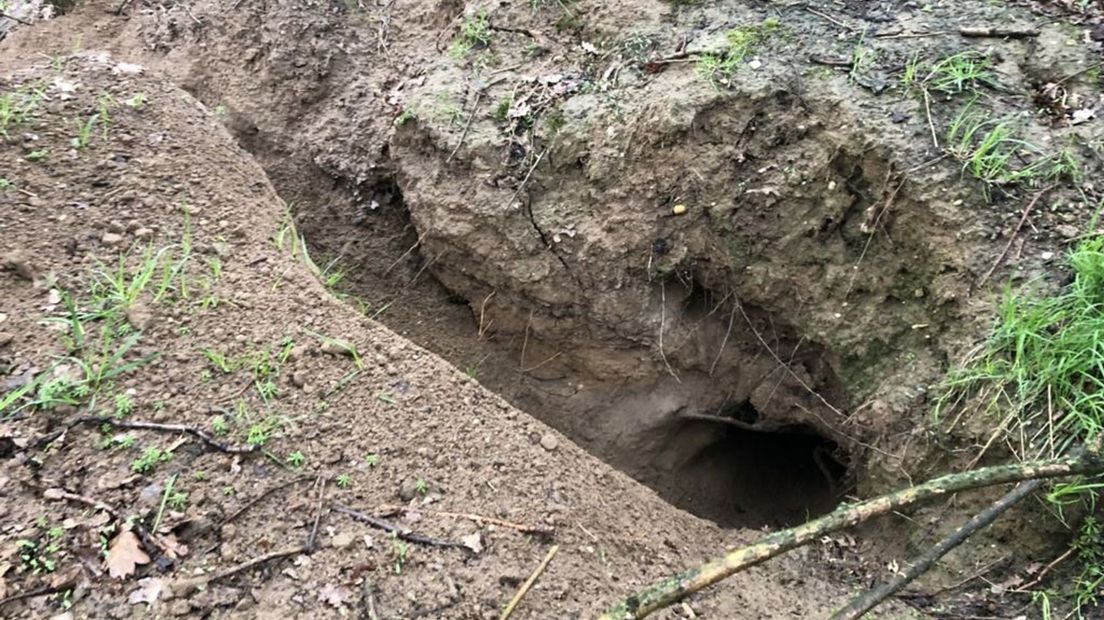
point(4, 15)
point(467, 126)
point(1043, 573)
point(529, 583)
point(724, 341)
point(526, 179)
point(369, 597)
point(547, 360)
point(256, 500)
point(312, 539)
point(186, 586)
point(979, 32)
point(172, 428)
point(784, 365)
point(1012, 237)
point(860, 605)
point(911, 35)
point(870, 238)
point(662, 320)
point(846, 63)
point(417, 242)
point(673, 589)
point(399, 532)
point(687, 415)
point(43, 591)
point(540, 530)
point(830, 18)
point(927, 112)
point(1095, 65)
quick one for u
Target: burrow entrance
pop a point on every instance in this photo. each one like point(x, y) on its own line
point(716, 465)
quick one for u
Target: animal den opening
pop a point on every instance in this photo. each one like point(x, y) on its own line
point(748, 478)
point(733, 476)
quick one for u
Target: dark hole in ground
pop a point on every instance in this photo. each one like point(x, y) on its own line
point(733, 476)
point(754, 479)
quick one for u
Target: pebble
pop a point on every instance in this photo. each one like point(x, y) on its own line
point(343, 540)
point(1067, 230)
point(5, 339)
point(549, 442)
point(142, 234)
point(408, 490)
point(111, 239)
point(151, 495)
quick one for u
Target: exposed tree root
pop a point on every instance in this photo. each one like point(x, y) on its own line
point(671, 590)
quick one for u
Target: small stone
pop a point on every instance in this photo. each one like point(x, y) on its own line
point(343, 540)
point(1067, 230)
point(408, 490)
point(180, 607)
point(143, 234)
point(678, 209)
point(549, 442)
point(150, 496)
point(5, 339)
point(111, 239)
point(297, 379)
point(116, 226)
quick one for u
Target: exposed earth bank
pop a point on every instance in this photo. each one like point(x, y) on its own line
point(739, 288)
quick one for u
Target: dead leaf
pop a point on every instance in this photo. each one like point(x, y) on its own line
point(1083, 115)
point(98, 520)
point(473, 542)
point(124, 554)
point(149, 591)
point(333, 595)
point(173, 547)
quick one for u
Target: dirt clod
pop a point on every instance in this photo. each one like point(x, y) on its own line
point(19, 263)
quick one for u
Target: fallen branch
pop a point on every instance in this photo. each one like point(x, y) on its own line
point(4, 15)
point(860, 605)
point(43, 591)
point(539, 530)
point(253, 502)
point(999, 33)
point(671, 590)
point(400, 532)
point(529, 583)
point(172, 428)
point(184, 587)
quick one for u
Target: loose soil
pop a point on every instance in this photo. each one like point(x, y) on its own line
point(740, 297)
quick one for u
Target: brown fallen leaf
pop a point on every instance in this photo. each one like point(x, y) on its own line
point(149, 590)
point(124, 554)
point(174, 548)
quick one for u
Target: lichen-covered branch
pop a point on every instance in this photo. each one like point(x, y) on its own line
point(673, 589)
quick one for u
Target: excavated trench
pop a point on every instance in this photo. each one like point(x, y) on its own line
point(698, 441)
